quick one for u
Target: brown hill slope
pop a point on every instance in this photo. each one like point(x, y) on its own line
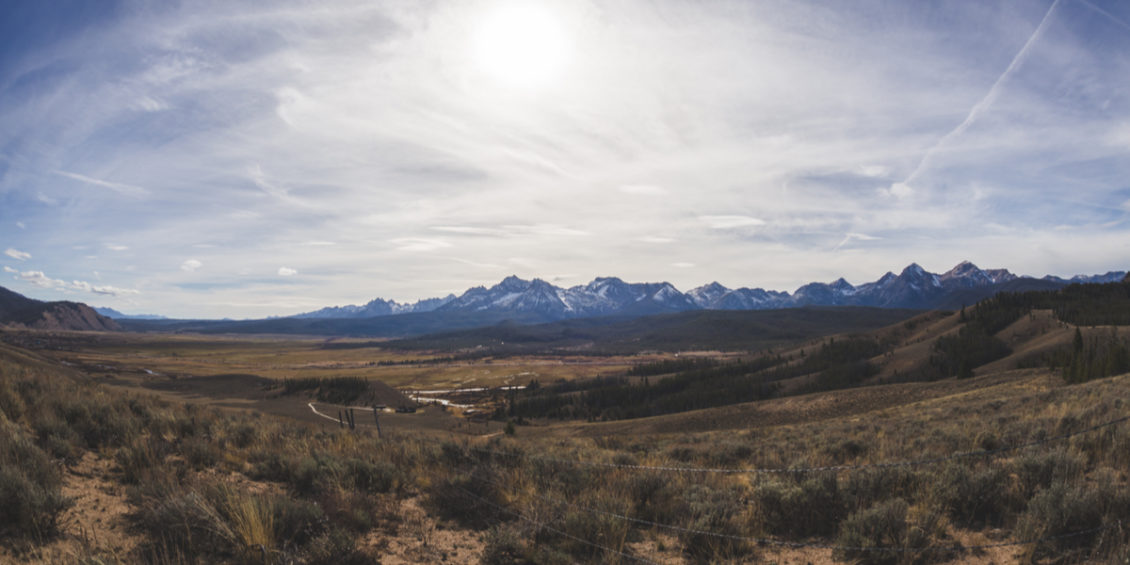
point(20, 311)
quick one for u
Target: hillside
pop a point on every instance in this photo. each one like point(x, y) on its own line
point(380, 326)
point(17, 310)
point(1011, 330)
point(695, 330)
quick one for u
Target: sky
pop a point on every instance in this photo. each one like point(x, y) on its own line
point(247, 159)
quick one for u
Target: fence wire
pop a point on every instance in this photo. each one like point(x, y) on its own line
point(827, 468)
point(547, 527)
point(805, 545)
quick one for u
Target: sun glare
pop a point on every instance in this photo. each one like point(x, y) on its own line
point(521, 45)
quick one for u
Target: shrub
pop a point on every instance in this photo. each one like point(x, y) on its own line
point(56, 436)
point(139, 458)
point(373, 477)
point(972, 498)
point(470, 503)
point(813, 507)
point(716, 511)
point(885, 525)
point(315, 474)
point(1035, 471)
point(298, 521)
point(336, 547)
point(181, 521)
point(11, 402)
point(504, 546)
point(31, 509)
point(866, 487)
point(597, 528)
point(1062, 510)
point(654, 498)
point(200, 452)
point(30, 488)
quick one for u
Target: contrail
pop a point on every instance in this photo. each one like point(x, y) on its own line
point(985, 102)
point(1108, 15)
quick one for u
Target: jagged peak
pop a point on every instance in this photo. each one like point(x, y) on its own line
point(542, 284)
point(964, 267)
point(713, 286)
point(913, 269)
point(606, 280)
point(513, 282)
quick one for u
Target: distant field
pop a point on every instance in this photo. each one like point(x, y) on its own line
point(286, 358)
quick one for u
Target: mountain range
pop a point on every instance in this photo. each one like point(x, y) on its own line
point(111, 313)
point(914, 287)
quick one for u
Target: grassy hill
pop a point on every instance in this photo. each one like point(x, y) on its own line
point(1007, 331)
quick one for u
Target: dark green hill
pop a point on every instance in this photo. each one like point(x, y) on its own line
point(731, 330)
point(400, 325)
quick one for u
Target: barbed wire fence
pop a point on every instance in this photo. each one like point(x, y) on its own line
point(987, 453)
point(547, 527)
point(807, 545)
point(817, 469)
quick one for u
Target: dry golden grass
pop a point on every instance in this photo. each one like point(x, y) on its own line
point(350, 491)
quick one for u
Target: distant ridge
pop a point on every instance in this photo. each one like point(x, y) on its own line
point(116, 315)
point(913, 288)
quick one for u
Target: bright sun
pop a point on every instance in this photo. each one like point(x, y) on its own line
point(521, 44)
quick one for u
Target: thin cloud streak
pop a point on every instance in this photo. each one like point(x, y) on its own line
point(120, 188)
point(980, 107)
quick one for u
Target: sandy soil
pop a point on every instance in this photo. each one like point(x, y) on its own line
point(421, 539)
point(95, 526)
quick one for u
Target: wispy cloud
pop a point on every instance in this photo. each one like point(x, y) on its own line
point(190, 265)
point(287, 272)
point(849, 237)
point(103, 290)
point(1109, 16)
point(41, 280)
point(17, 254)
point(551, 230)
point(730, 222)
point(120, 188)
point(38, 278)
point(419, 244)
point(472, 230)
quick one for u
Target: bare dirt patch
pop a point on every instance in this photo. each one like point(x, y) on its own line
point(419, 538)
point(95, 526)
